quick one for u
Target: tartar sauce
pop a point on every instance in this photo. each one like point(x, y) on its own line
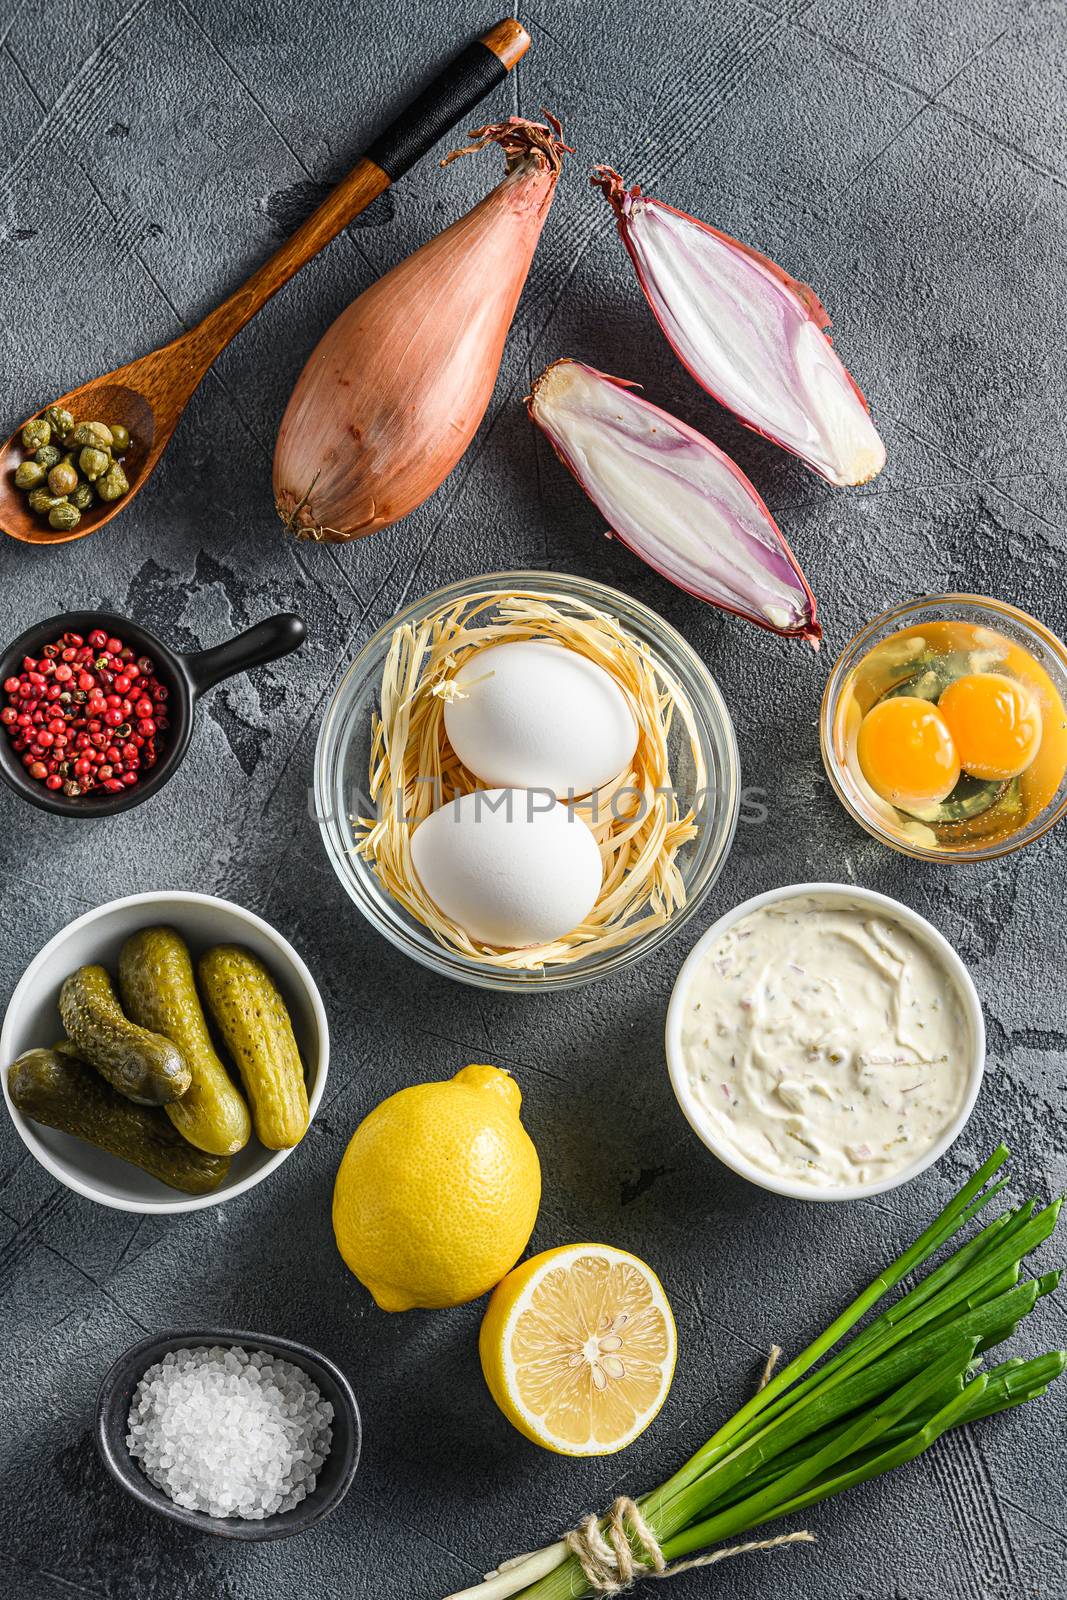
point(825, 1042)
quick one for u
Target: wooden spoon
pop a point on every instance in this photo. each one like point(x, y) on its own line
point(149, 395)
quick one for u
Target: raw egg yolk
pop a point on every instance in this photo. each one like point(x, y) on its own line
point(906, 753)
point(995, 723)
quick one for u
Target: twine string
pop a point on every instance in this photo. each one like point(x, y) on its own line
point(611, 1565)
point(614, 1551)
point(773, 1358)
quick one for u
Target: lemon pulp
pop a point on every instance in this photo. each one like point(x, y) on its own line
point(578, 1348)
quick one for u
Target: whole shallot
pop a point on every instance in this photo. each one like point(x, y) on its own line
point(673, 497)
point(394, 391)
point(751, 335)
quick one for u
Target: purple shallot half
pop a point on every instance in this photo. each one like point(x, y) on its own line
point(673, 498)
point(750, 335)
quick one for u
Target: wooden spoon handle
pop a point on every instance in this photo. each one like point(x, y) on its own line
point(451, 96)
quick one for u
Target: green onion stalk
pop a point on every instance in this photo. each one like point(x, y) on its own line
point(912, 1373)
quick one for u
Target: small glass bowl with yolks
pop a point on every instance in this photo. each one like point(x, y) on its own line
point(944, 730)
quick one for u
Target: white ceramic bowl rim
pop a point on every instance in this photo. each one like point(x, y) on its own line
point(957, 971)
point(165, 900)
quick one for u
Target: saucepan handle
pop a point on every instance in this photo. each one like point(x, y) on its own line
point(274, 637)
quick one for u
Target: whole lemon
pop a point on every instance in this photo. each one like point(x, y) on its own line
point(437, 1193)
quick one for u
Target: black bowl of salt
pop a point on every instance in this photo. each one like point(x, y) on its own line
point(230, 1432)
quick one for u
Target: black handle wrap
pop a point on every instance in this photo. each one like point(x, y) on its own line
point(452, 96)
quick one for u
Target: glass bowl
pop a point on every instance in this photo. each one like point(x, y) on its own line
point(875, 816)
point(341, 779)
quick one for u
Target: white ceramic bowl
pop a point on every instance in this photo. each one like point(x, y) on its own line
point(32, 1020)
point(891, 909)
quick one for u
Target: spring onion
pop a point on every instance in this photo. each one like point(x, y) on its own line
point(911, 1374)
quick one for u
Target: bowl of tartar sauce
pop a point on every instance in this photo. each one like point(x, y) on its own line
point(825, 1041)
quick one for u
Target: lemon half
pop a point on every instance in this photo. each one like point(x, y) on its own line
point(578, 1348)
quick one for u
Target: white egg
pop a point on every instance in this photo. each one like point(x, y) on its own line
point(538, 716)
point(511, 867)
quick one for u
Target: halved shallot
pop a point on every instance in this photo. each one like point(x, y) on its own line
point(394, 391)
point(673, 497)
point(751, 335)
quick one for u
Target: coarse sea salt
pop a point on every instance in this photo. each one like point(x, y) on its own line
point(230, 1432)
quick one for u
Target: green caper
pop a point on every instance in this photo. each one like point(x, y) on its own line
point(35, 434)
point(64, 515)
point(28, 475)
point(63, 478)
point(41, 499)
point(60, 419)
point(93, 462)
point(120, 438)
point(114, 484)
point(97, 434)
point(83, 496)
point(47, 456)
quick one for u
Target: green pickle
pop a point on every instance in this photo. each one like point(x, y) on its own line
point(56, 1088)
point(142, 1065)
point(159, 993)
point(250, 1014)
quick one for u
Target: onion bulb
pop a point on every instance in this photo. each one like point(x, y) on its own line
point(751, 335)
point(674, 498)
point(394, 391)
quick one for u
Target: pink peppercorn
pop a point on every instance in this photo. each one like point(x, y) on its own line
point(69, 710)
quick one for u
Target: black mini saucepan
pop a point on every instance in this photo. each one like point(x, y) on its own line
point(186, 677)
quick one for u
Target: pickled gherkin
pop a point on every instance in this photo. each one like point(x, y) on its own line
point(250, 1013)
point(140, 1064)
point(159, 993)
point(56, 1088)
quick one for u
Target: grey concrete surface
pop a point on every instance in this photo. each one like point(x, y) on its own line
point(908, 159)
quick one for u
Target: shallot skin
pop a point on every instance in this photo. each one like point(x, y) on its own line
point(393, 394)
point(673, 498)
point(753, 337)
